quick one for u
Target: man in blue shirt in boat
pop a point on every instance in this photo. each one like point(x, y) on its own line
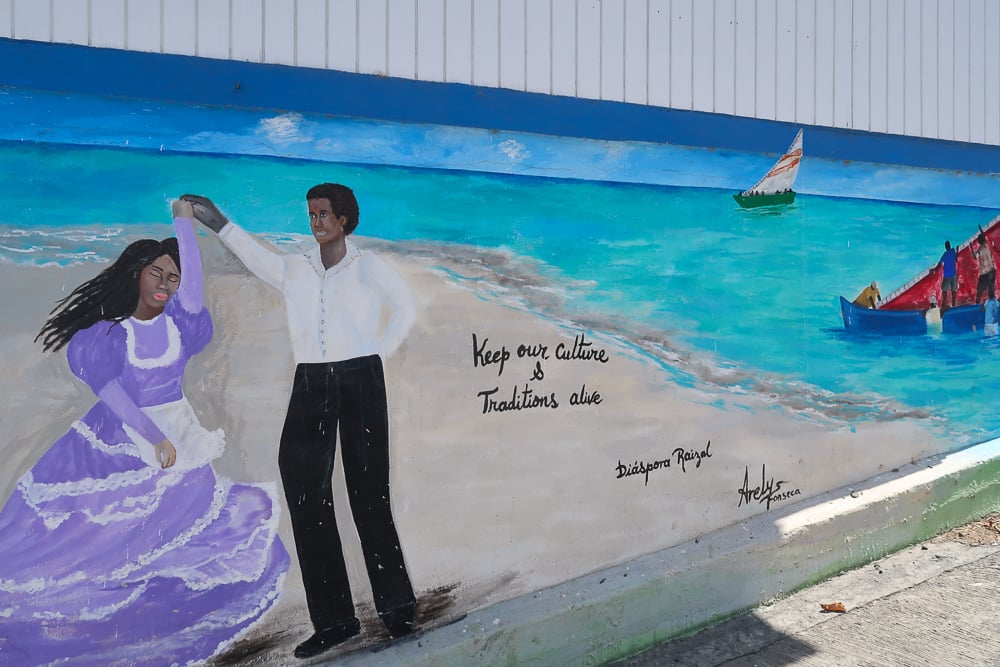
point(949, 280)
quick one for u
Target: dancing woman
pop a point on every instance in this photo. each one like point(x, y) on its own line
point(121, 545)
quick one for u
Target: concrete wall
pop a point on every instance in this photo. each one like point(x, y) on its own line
point(929, 68)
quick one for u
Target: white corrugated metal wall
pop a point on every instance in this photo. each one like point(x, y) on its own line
point(928, 68)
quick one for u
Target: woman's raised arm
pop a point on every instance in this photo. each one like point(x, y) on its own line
point(189, 294)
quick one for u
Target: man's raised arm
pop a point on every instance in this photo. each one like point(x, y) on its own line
point(267, 265)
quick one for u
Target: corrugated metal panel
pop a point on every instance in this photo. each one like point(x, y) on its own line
point(920, 67)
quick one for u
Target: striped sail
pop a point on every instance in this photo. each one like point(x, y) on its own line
point(782, 175)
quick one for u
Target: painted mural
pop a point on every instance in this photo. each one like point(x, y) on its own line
point(387, 375)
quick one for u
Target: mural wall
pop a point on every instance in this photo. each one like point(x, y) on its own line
point(576, 370)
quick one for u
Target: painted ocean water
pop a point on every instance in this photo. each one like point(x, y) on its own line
point(720, 296)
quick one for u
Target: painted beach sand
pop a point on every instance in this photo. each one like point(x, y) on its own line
point(488, 505)
point(597, 370)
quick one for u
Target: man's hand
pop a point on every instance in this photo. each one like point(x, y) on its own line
point(206, 212)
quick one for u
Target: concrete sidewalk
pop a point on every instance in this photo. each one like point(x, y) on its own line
point(936, 603)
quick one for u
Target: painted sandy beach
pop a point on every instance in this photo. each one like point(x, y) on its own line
point(586, 454)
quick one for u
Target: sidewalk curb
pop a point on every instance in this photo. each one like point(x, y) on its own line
point(618, 611)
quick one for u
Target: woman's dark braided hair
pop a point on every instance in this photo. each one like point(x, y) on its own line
point(112, 295)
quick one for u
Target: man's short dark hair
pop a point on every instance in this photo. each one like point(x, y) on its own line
point(342, 202)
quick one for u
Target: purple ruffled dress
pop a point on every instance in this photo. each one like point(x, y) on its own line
point(107, 559)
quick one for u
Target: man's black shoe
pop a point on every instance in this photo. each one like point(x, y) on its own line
point(399, 621)
point(325, 639)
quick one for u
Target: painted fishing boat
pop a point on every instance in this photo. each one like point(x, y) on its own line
point(917, 292)
point(909, 322)
point(905, 311)
point(963, 319)
point(775, 187)
point(858, 319)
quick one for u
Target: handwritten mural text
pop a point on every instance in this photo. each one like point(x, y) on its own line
point(680, 457)
point(527, 396)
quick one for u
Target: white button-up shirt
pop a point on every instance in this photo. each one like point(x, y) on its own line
point(337, 313)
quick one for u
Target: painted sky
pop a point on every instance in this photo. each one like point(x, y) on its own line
point(51, 117)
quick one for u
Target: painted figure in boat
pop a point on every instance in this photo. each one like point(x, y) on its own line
point(949, 275)
point(987, 268)
point(869, 296)
point(991, 314)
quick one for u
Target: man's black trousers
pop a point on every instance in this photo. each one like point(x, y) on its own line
point(345, 398)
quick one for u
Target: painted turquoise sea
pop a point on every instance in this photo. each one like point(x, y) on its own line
point(748, 299)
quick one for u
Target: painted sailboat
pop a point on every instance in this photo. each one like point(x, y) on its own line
point(776, 185)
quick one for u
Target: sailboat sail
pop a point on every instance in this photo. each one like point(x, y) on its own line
point(782, 175)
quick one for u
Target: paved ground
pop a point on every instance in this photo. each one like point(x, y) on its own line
point(934, 604)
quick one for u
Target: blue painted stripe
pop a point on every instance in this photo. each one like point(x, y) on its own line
point(186, 79)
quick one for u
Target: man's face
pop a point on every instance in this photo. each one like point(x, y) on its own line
point(326, 227)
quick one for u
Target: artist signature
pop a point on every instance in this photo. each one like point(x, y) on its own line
point(767, 492)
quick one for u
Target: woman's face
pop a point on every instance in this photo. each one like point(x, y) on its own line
point(157, 283)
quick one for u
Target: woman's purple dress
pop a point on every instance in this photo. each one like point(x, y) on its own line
point(107, 559)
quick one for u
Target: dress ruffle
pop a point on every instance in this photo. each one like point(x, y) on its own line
point(107, 560)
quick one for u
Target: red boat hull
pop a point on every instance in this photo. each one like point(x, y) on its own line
point(917, 293)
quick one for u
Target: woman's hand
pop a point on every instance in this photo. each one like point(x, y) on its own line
point(166, 454)
point(183, 208)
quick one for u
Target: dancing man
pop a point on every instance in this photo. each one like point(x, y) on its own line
point(335, 299)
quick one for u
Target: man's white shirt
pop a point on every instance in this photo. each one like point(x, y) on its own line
point(333, 314)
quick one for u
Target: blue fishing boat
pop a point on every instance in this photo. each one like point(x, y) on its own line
point(858, 319)
point(963, 319)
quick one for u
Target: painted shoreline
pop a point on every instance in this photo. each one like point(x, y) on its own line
point(541, 489)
